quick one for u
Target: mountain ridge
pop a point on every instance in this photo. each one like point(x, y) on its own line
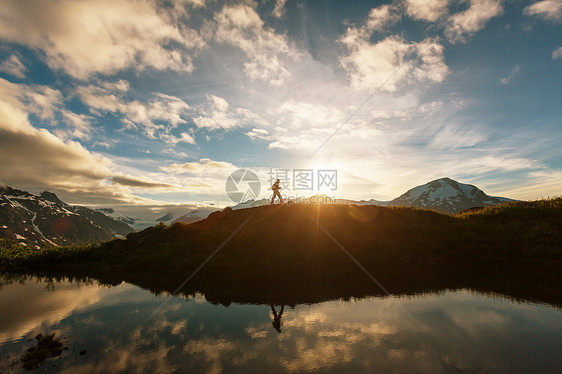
point(444, 195)
point(45, 220)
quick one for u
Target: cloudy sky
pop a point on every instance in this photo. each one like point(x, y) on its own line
point(112, 102)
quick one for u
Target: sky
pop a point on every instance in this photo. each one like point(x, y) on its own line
point(143, 103)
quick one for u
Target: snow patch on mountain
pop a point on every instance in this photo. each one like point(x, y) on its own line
point(196, 215)
point(251, 204)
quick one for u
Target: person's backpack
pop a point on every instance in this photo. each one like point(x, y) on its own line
point(275, 187)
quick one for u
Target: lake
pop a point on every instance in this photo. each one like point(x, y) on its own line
point(127, 329)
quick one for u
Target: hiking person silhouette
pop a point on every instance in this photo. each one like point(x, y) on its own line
point(277, 318)
point(276, 192)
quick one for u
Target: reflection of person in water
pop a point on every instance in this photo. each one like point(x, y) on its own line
point(277, 318)
point(276, 192)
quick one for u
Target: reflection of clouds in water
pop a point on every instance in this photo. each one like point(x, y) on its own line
point(122, 356)
point(446, 333)
point(212, 350)
point(315, 355)
point(37, 306)
point(133, 345)
point(256, 333)
point(26, 308)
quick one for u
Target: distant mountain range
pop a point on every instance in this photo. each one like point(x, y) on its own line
point(443, 195)
point(46, 220)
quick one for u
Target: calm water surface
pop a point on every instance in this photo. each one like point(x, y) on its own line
point(130, 330)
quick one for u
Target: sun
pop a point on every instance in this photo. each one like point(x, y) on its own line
point(325, 177)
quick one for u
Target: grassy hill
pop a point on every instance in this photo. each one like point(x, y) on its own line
point(299, 253)
point(287, 235)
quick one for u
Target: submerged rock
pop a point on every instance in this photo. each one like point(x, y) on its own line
point(47, 346)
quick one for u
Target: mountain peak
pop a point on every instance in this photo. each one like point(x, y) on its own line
point(52, 197)
point(445, 195)
point(166, 217)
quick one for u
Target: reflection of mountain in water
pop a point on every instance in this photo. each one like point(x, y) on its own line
point(313, 284)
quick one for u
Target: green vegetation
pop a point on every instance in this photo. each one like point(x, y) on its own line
point(517, 229)
point(287, 236)
point(15, 254)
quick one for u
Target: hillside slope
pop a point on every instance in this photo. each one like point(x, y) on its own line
point(285, 236)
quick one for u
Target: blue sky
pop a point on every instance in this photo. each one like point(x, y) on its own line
point(157, 102)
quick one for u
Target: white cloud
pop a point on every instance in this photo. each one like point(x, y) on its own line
point(36, 156)
point(99, 36)
point(205, 166)
point(37, 159)
point(42, 101)
point(219, 115)
point(456, 136)
point(48, 105)
point(266, 52)
point(173, 140)
point(13, 66)
point(550, 10)
point(538, 184)
point(155, 118)
point(378, 18)
point(464, 24)
point(392, 60)
point(279, 9)
point(557, 53)
point(203, 176)
point(426, 10)
point(80, 125)
point(299, 126)
point(381, 17)
point(173, 151)
point(121, 85)
point(512, 74)
point(257, 133)
point(196, 3)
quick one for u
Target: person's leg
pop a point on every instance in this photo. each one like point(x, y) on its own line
point(280, 198)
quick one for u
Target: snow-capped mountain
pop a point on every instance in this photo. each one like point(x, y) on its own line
point(196, 215)
point(251, 203)
point(165, 218)
point(46, 220)
point(446, 195)
point(110, 212)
